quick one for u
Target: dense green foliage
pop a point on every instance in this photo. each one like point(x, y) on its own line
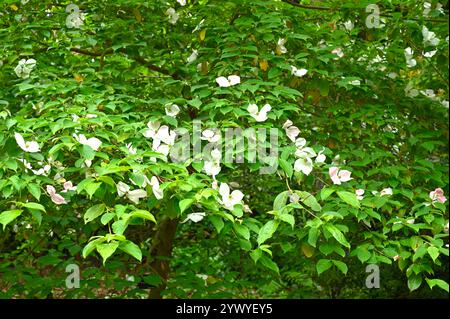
point(369, 106)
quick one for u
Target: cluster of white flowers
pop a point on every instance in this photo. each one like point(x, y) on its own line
point(212, 166)
point(75, 19)
point(304, 162)
point(163, 137)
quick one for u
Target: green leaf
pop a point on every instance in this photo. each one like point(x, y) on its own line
point(268, 263)
point(242, 231)
point(91, 246)
point(8, 216)
point(325, 193)
point(280, 201)
point(349, 198)
point(119, 226)
point(34, 190)
point(286, 166)
point(185, 204)
point(341, 266)
point(106, 250)
point(256, 254)
point(323, 265)
point(309, 200)
point(337, 234)
point(437, 282)
point(144, 215)
point(414, 282)
point(131, 249)
point(267, 231)
point(433, 252)
point(288, 219)
point(313, 234)
point(106, 218)
point(34, 206)
point(93, 212)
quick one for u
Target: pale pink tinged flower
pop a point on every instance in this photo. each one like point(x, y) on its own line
point(386, 191)
point(68, 186)
point(215, 184)
point(338, 52)
point(359, 194)
point(339, 176)
point(56, 198)
point(292, 132)
point(438, 195)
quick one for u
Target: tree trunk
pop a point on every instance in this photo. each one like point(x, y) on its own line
point(161, 251)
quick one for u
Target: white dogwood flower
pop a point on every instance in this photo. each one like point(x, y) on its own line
point(30, 147)
point(24, 68)
point(410, 62)
point(291, 131)
point(92, 142)
point(172, 110)
point(229, 199)
point(229, 81)
point(195, 217)
point(304, 165)
point(280, 45)
point(210, 135)
point(298, 72)
point(182, 2)
point(193, 56)
point(259, 115)
point(157, 191)
point(173, 15)
point(134, 195)
point(339, 176)
point(429, 37)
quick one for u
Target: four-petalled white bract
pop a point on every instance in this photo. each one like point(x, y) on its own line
point(134, 195)
point(229, 199)
point(157, 191)
point(339, 176)
point(92, 142)
point(298, 72)
point(193, 56)
point(172, 110)
point(195, 217)
point(229, 81)
point(30, 147)
point(259, 115)
point(291, 131)
point(182, 2)
point(429, 37)
point(280, 44)
point(210, 135)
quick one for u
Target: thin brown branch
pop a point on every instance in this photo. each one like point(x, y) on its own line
point(308, 7)
point(138, 59)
